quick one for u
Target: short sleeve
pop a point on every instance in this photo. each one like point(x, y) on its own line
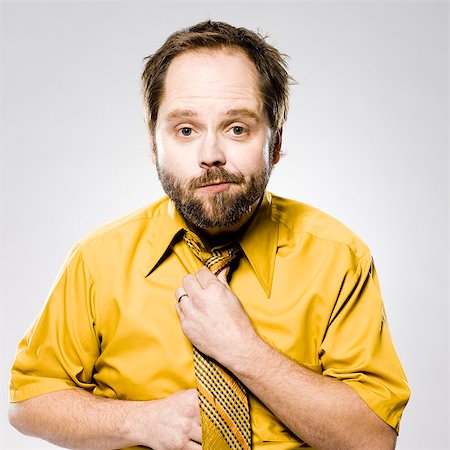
point(358, 348)
point(60, 348)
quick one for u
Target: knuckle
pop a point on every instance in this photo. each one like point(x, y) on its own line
point(193, 394)
point(185, 431)
point(215, 288)
point(188, 278)
point(191, 405)
point(178, 441)
point(184, 427)
point(185, 328)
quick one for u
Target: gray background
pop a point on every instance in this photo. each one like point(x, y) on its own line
point(366, 141)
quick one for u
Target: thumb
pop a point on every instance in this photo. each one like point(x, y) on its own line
point(222, 276)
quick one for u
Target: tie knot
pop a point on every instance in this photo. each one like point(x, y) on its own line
point(215, 259)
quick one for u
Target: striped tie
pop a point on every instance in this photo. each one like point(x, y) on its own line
point(223, 399)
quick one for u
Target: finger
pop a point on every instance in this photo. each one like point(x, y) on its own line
point(180, 294)
point(205, 277)
point(198, 419)
point(222, 275)
point(197, 433)
point(179, 311)
point(193, 446)
point(191, 284)
point(197, 416)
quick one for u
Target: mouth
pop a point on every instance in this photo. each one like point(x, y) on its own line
point(215, 187)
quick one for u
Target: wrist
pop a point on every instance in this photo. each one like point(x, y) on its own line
point(130, 426)
point(244, 356)
point(139, 422)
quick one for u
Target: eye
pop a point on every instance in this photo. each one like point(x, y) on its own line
point(186, 131)
point(237, 130)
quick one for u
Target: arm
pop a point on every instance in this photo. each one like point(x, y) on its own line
point(322, 411)
point(325, 412)
point(78, 419)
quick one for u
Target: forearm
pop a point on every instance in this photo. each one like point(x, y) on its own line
point(78, 419)
point(324, 412)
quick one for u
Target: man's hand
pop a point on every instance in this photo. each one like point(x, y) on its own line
point(178, 423)
point(171, 423)
point(213, 318)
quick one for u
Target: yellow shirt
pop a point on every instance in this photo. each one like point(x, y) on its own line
point(306, 281)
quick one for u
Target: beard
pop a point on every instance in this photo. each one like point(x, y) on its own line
point(216, 210)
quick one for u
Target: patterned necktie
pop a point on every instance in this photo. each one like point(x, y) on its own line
point(224, 407)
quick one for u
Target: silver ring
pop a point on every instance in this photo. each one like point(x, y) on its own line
point(181, 296)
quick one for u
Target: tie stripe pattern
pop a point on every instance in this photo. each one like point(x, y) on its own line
point(223, 398)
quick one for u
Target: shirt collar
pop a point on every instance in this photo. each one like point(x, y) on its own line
point(167, 227)
point(259, 242)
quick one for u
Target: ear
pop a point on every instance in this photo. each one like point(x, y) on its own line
point(152, 146)
point(277, 147)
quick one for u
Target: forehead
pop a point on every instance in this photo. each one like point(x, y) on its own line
point(222, 78)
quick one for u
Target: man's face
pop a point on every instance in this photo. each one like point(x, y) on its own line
point(212, 138)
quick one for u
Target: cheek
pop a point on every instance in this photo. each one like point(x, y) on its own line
point(180, 160)
point(167, 151)
point(248, 158)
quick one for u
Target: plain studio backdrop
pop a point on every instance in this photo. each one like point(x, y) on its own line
point(366, 141)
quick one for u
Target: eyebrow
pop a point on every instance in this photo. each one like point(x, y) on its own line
point(243, 112)
point(178, 114)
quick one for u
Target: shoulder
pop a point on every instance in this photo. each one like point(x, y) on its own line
point(128, 225)
point(124, 233)
point(118, 245)
point(299, 221)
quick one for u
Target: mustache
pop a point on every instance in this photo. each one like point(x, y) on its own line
point(214, 175)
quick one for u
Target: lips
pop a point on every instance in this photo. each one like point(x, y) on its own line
point(216, 187)
point(216, 176)
point(214, 183)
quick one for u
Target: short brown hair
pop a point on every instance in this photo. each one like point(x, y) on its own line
point(270, 65)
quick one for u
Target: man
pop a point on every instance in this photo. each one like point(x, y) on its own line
point(280, 342)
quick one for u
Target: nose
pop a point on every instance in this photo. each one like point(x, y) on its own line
point(210, 153)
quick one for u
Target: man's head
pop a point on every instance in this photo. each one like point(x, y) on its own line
point(270, 64)
point(216, 99)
